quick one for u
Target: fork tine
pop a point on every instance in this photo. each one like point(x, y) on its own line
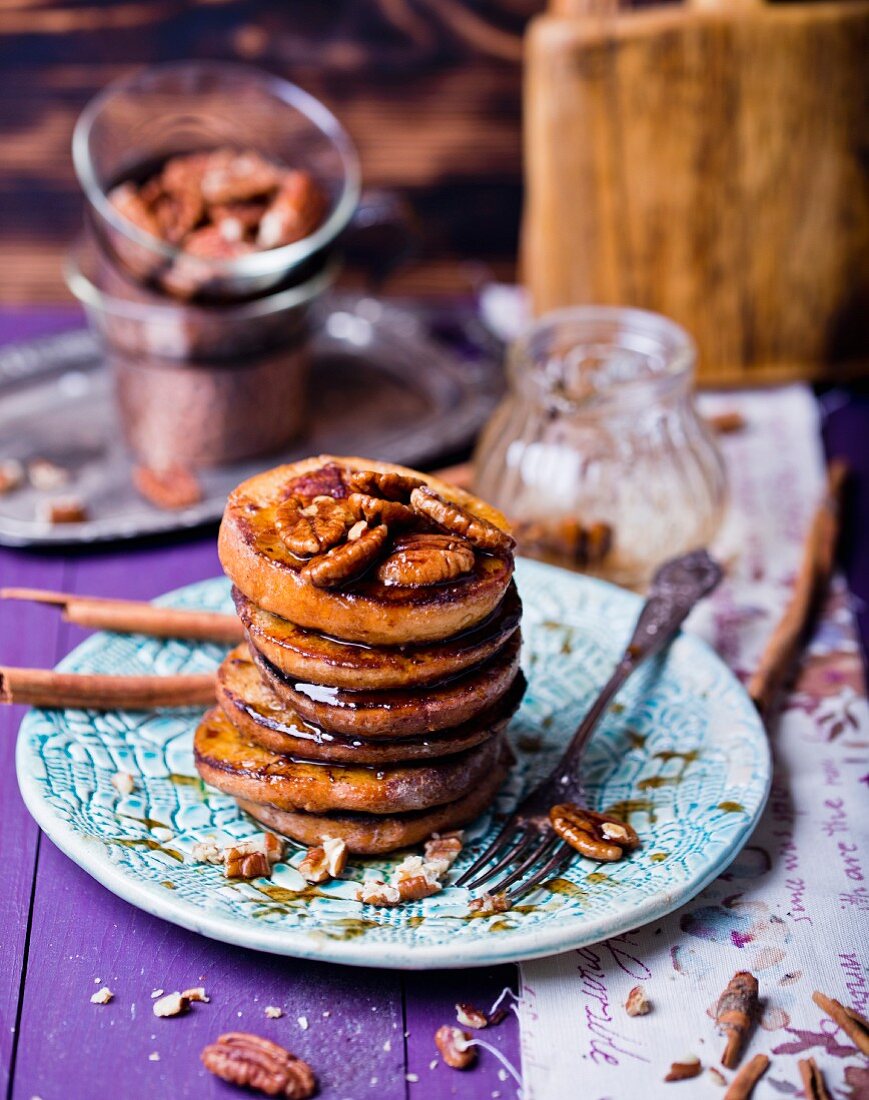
point(541, 851)
point(508, 832)
point(560, 859)
point(528, 838)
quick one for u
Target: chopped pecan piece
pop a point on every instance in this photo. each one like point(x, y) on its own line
point(171, 488)
point(295, 211)
point(375, 892)
point(469, 1016)
point(123, 782)
point(488, 904)
point(417, 560)
point(256, 1063)
point(173, 1004)
point(247, 866)
point(443, 846)
point(11, 475)
point(348, 561)
point(459, 521)
point(209, 243)
point(638, 1003)
point(102, 996)
point(312, 528)
point(324, 862)
point(685, 1068)
point(594, 835)
point(65, 510)
point(387, 486)
point(456, 1046)
point(47, 476)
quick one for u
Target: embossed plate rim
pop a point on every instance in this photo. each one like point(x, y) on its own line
point(536, 941)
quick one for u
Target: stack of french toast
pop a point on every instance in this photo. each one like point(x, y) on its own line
point(381, 662)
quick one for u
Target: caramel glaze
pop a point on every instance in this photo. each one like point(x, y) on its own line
point(376, 714)
point(232, 765)
point(320, 659)
point(262, 718)
point(372, 834)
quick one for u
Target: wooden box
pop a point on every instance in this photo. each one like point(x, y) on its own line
point(708, 162)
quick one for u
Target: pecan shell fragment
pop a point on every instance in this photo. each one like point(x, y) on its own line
point(256, 1063)
point(596, 836)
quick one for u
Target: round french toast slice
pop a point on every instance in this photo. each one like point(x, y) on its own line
point(399, 713)
point(365, 551)
point(225, 760)
point(263, 719)
point(316, 658)
point(371, 835)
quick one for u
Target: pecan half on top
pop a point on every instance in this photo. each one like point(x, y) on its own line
point(349, 560)
point(459, 521)
point(594, 835)
point(309, 528)
point(419, 559)
point(256, 1063)
point(386, 486)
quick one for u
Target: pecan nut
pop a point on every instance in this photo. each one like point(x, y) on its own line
point(295, 211)
point(236, 177)
point(256, 1063)
point(170, 488)
point(324, 862)
point(419, 560)
point(486, 905)
point(456, 1046)
point(443, 846)
point(387, 486)
point(378, 510)
point(459, 521)
point(347, 561)
point(312, 528)
point(596, 836)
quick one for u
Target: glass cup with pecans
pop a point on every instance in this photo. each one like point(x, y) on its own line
point(597, 455)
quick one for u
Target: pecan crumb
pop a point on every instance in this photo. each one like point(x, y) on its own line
point(170, 488)
point(273, 1012)
point(638, 1003)
point(102, 996)
point(717, 1076)
point(686, 1068)
point(47, 476)
point(487, 904)
point(123, 782)
point(443, 846)
point(173, 1004)
point(11, 475)
point(256, 1063)
point(251, 858)
point(455, 1047)
point(468, 1016)
point(324, 862)
point(64, 510)
point(197, 993)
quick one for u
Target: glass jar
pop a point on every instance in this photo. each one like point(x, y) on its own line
point(598, 455)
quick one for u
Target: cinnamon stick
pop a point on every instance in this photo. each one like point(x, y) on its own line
point(737, 1007)
point(742, 1085)
point(135, 616)
point(44, 688)
point(855, 1026)
point(814, 1085)
point(813, 578)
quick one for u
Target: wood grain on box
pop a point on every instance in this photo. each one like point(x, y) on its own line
point(708, 162)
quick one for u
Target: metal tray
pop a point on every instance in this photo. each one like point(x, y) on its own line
point(381, 385)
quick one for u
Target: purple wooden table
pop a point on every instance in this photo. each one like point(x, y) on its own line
point(370, 1033)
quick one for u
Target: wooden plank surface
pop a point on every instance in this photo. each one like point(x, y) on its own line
point(430, 91)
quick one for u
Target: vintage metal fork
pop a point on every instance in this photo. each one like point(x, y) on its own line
point(527, 844)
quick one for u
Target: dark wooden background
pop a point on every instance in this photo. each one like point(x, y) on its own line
point(429, 89)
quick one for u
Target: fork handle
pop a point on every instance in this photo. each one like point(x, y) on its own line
point(676, 587)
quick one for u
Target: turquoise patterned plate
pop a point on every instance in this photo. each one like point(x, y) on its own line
point(682, 753)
